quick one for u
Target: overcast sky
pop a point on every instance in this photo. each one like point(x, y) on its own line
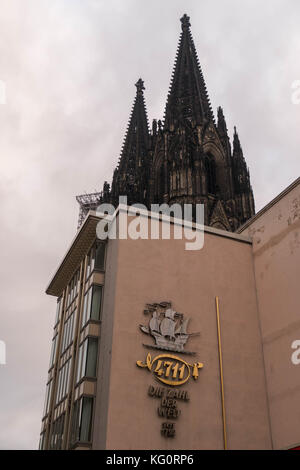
point(69, 67)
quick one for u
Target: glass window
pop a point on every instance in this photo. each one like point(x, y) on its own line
point(82, 420)
point(86, 307)
point(87, 359)
point(95, 258)
point(86, 419)
point(47, 398)
point(57, 433)
point(53, 351)
point(96, 302)
point(42, 440)
point(90, 262)
point(58, 310)
point(73, 288)
point(91, 305)
point(68, 335)
point(81, 361)
point(100, 256)
point(91, 360)
point(63, 381)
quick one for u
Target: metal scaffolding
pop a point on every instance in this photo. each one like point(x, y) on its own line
point(87, 202)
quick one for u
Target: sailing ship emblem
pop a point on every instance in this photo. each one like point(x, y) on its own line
point(167, 327)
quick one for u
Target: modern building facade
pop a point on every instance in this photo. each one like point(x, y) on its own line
point(121, 378)
point(76, 334)
point(159, 347)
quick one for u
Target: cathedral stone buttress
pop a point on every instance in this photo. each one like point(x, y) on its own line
point(187, 158)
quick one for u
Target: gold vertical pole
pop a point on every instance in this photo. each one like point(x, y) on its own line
point(221, 374)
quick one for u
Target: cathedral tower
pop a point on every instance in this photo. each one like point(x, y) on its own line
point(187, 158)
point(132, 173)
point(192, 160)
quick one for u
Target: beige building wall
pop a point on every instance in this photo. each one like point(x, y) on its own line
point(255, 275)
point(276, 252)
point(148, 271)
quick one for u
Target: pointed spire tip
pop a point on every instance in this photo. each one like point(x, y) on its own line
point(140, 85)
point(185, 22)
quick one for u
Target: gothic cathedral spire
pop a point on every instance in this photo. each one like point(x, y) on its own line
point(187, 98)
point(131, 175)
point(188, 157)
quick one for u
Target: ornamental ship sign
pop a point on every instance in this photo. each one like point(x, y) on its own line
point(167, 327)
point(169, 330)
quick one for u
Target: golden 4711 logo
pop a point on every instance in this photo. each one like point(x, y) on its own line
point(171, 370)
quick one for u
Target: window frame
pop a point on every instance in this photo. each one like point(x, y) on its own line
point(68, 330)
point(58, 425)
point(77, 414)
point(88, 304)
point(91, 264)
point(84, 356)
point(63, 382)
point(47, 400)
